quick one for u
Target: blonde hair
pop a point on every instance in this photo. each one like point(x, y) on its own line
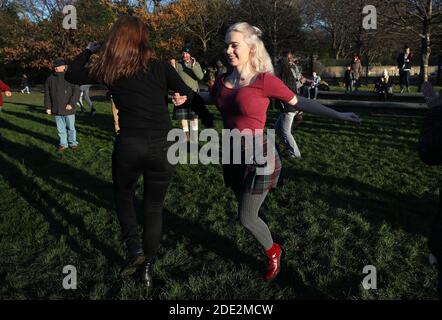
point(260, 59)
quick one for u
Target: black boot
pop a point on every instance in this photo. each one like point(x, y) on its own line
point(134, 261)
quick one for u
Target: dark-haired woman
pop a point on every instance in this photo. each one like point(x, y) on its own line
point(139, 86)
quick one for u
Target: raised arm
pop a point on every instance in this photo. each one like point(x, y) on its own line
point(77, 72)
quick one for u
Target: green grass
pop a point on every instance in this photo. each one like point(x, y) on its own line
point(358, 197)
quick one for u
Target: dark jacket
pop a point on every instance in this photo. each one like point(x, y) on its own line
point(59, 93)
point(286, 75)
point(404, 64)
point(349, 77)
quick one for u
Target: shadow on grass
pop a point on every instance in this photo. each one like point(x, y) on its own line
point(12, 127)
point(100, 121)
point(402, 211)
point(44, 202)
point(30, 107)
point(85, 127)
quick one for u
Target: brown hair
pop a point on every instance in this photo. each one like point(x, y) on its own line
point(126, 51)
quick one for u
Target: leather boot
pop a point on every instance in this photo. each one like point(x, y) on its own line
point(273, 262)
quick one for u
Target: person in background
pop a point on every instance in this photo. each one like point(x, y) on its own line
point(84, 93)
point(60, 100)
point(191, 72)
point(314, 84)
point(210, 75)
point(357, 68)
point(289, 113)
point(220, 68)
point(384, 86)
point(3, 88)
point(349, 78)
point(404, 61)
point(25, 84)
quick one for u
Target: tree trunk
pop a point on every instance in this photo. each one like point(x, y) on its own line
point(425, 45)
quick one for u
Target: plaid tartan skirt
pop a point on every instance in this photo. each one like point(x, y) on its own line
point(247, 178)
point(184, 114)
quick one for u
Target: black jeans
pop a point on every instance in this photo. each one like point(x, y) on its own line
point(139, 153)
point(404, 78)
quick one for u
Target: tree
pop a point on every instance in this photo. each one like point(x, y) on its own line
point(279, 20)
point(418, 17)
point(200, 19)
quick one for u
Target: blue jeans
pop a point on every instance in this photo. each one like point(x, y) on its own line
point(309, 92)
point(66, 130)
point(283, 128)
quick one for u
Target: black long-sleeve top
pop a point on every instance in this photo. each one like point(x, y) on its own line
point(142, 99)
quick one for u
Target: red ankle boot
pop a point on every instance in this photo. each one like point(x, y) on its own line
point(273, 262)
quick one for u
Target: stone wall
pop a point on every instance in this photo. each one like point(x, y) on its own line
point(338, 72)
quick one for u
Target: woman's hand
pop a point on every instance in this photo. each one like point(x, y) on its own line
point(350, 116)
point(178, 100)
point(8, 93)
point(93, 46)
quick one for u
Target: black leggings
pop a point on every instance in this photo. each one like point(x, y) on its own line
point(135, 154)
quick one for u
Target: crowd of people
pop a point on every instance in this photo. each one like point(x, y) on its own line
point(138, 85)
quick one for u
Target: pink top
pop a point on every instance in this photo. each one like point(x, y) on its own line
point(246, 107)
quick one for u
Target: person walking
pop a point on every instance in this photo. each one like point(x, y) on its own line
point(25, 84)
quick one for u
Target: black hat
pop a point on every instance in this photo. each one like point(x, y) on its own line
point(59, 62)
point(185, 49)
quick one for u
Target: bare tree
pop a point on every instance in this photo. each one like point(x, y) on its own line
point(279, 20)
point(419, 17)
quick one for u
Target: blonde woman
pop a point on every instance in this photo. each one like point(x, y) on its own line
point(384, 86)
point(242, 97)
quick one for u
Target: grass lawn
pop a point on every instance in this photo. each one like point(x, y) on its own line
point(357, 197)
